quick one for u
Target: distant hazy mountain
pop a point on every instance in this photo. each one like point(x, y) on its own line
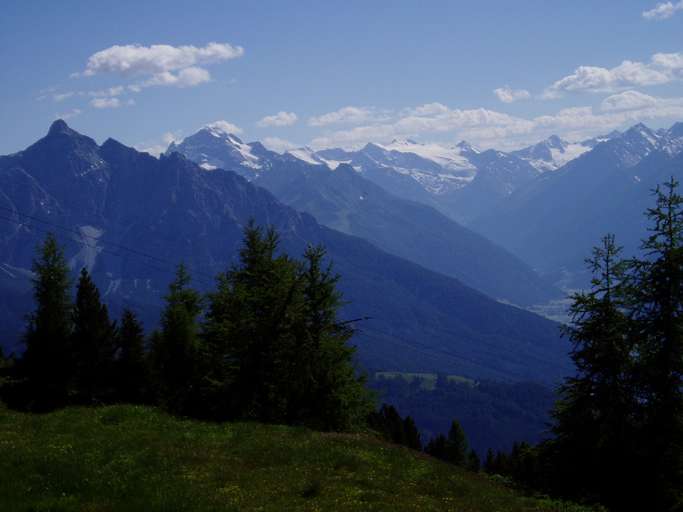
point(347, 201)
point(554, 222)
point(459, 180)
point(129, 217)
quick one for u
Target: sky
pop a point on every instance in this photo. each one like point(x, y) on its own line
point(500, 74)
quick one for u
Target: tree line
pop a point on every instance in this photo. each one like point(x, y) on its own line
point(267, 344)
point(617, 428)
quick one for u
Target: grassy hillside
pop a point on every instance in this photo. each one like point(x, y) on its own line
point(136, 458)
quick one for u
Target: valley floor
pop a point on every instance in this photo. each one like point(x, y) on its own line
point(136, 458)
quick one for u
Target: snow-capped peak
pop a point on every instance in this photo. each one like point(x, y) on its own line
point(552, 153)
point(452, 158)
point(305, 154)
point(221, 129)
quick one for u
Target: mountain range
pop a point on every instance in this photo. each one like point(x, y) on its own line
point(130, 217)
point(342, 198)
point(553, 223)
point(547, 204)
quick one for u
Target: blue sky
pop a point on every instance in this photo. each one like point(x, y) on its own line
point(339, 73)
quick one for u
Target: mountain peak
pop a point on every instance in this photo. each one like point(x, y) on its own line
point(59, 127)
point(463, 145)
point(555, 142)
point(676, 130)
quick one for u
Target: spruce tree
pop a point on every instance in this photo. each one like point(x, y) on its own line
point(456, 445)
point(593, 420)
point(131, 374)
point(490, 462)
point(248, 332)
point(176, 347)
point(412, 434)
point(473, 462)
point(436, 447)
point(45, 367)
point(658, 304)
point(92, 345)
point(330, 378)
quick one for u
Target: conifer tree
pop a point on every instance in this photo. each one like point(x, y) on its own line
point(436, 447)
point(473, 462)
point(658, 298)
point(330, 377)
point(456, 445)
point(412, 434)
point(593, 419)
point(92, 345)
point(132, 376)
point(248, 331)
point(275, 349)
point(176, 347)
point(45, 367)
point(490, 462)
point(388, 422)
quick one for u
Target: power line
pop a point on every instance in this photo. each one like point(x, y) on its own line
point(79, 233)
point(205, 279)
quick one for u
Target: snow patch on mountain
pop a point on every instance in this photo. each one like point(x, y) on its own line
point(449, 157)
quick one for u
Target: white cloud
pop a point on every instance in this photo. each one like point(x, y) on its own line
point(69, 114)
point(345, 115)
point(59, 97)
point(428, 109)
point(663, 10)
point(159, 65)
point(111, 91)
point(277, 144)
point(105, 103)
point(109, 103)
point(279, 119)
point(488, 128)
point(188, 77)
point(159, 146)
point(224, 127)
point(663, 68)
point(509, 95)
point(131, 59)
point(627, 100)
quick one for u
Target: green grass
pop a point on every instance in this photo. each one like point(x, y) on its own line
point(427, 380)
point(140, 459)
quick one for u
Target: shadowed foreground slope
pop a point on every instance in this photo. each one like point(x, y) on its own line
point(137, 458)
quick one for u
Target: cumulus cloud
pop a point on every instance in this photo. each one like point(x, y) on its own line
point(509, 95)
point(663, 68)
point(224, 127)
point(155, 65)
point(488, 128)
point(277, 144)
point(627, 100)
point(663, 10)
point(279, 119)
point(188, 77)
point(132, 59)
point(345, 115)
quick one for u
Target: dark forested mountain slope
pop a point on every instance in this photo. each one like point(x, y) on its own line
point(113, 207)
